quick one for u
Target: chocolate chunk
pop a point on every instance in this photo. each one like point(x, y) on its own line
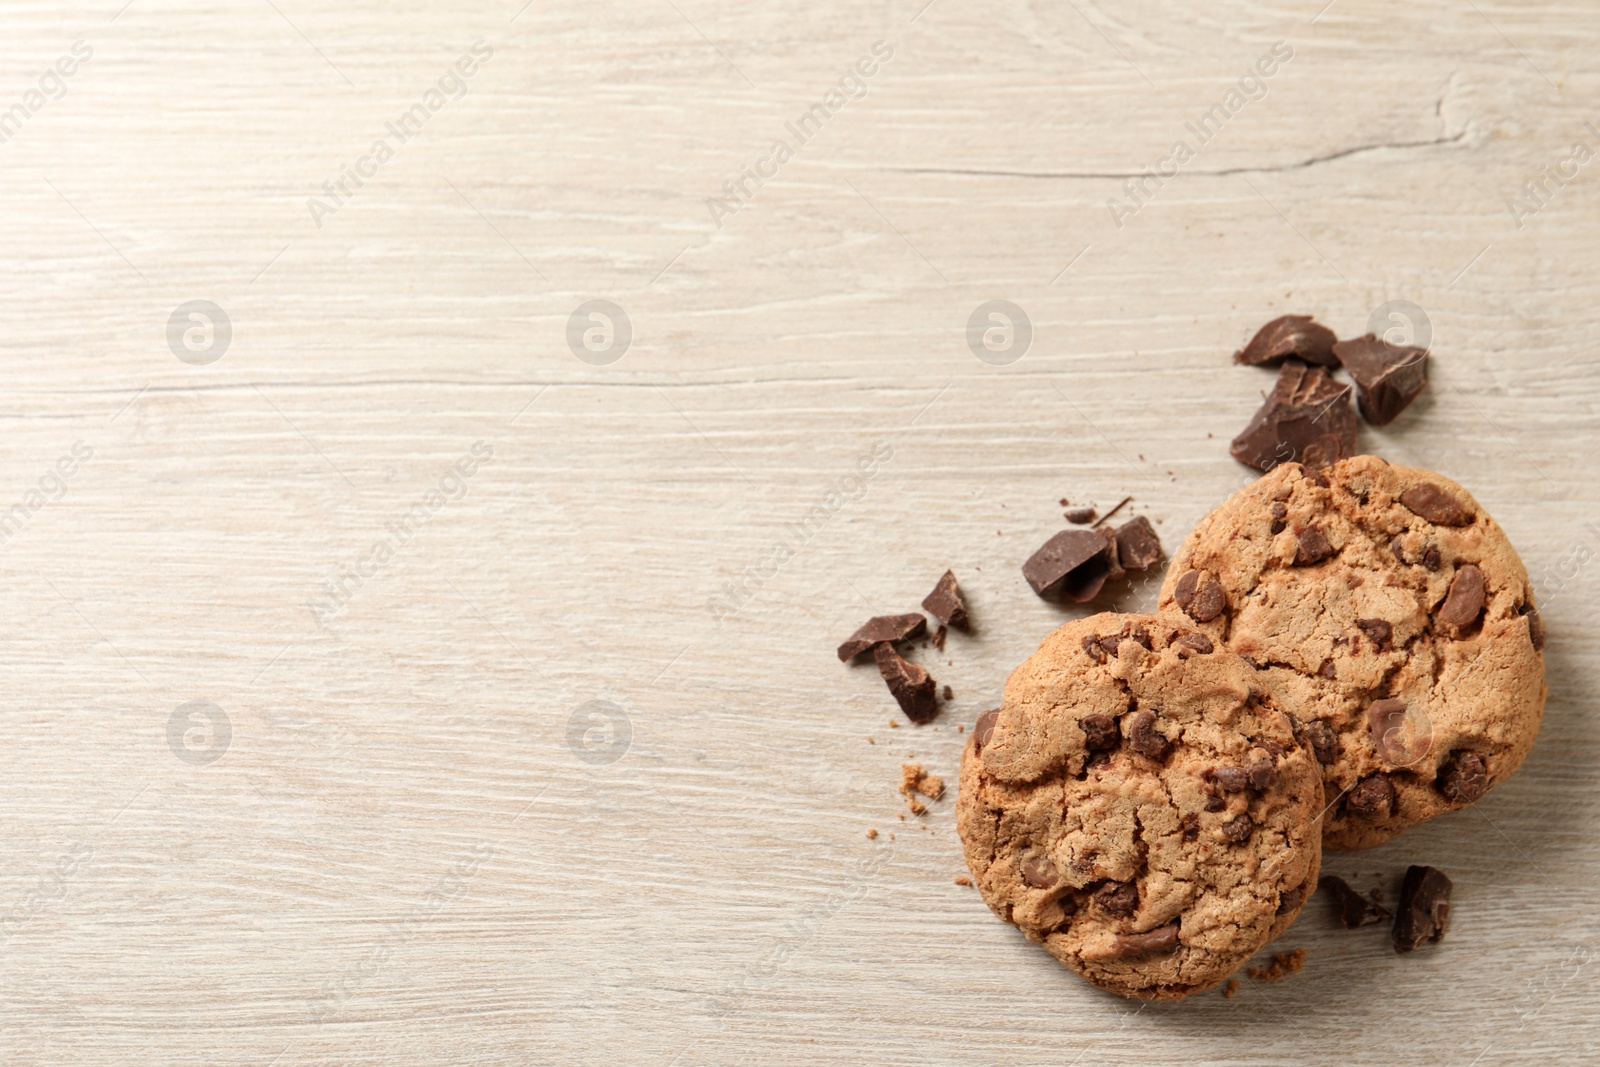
point(1351, 908)
point(1424, 909)
point(944, 603)
point(1138, 547)
point(1280, 515)
point(1094, 648)
point(1465, 602)
point(1323, 740)
point(1075, 563)
point(1535, 626)
point(1100, 732)
point(1081, 516)
point(1144, 739)
point(1431, 559)
point(1291, 335)
point(947, 693)
point(1118, 898)
point(1231, 779)
point(911, 686)
point(1139, 636)
point(1201, 598)
point(1313, 547)
point(1190, 825)
point(1161, 939)
point(1262, 775)
point(1372, 796)
point(1215, 803)
point(1329, 670)
point(1290, 899)
point(1379, 632)
point(1237, 829)
point(939, 636)
point(983, 729)
point(880, 630)
point(1400, 740)
point(1463, 777)
point(1432, 503)
point(1195, 643)
point(1388, 377)
point(1039, 872)
point(1307, 419)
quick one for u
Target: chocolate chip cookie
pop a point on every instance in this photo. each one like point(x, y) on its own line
point(1140, 807)
point(1390, 615)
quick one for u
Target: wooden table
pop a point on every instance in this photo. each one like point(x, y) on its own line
point(424, 664)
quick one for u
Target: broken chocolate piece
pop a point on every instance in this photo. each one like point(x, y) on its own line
point(1313, 547)
point(1201, 598)
point(1535, 626)
point(1075, 563)
point(1190, 824)
point(1138, 547)
point(1039, 872)
point(1231, 779)
point(1400, 737)
point(1300, 336)
point(1081, 516)
point(1388, 377)
point(1372, 796)
point(1323, 740)
point(1195, 643)
point(1465, 601)
point(1291, 899)
point(1432, 503)
point(1379, 632)
point(1094, 648)
point(1118, 898)
point(1145, 739)
point(1100, 732)
point(881, 630)
point(1161, 939)
point(1424, 909)
point(1351, 908)
point(945, 604)
point(1237, 829)
point(911, 686)
point(1463, 778)
point(1307, 419)
point(1262, 775)
point(983, 729)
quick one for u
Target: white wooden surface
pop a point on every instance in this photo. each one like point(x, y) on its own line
point(398, 857)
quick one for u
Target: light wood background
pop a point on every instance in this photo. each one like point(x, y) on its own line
point(401, 855)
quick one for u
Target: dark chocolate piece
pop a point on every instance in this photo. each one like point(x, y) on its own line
point(1434, 504)
point(1300, 336)
point(1081, 516)
point(1138, 547)
point(1145, 739)
point(1313, 547)
point(1100, 732)
point(1161, 939)
point(1463, 777)
point(1074, 563)
point(913, 688)
point(1535, 626)
point(1388, 378)
point(1351, 908)
point(1306, 419)
point(881, 630)
point(1237, 829)
point(1195, 644)
point(945, 604)
point(1039, 872)
point(1118, 898)
point(1379, 632)
point(983, 729)
point(1202, 601)
point(1465, 601)
point(1373, 796)
point(1424, 908)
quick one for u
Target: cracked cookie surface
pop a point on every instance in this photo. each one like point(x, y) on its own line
point(1390, 615)
point(1139, 806)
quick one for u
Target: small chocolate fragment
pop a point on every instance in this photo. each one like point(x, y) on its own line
point(1215, 803)
point(912, 687)
point(1351, 908)
point(1379, 632)
point(1535, 626)
point(1290, 899)
point(1262, 775)
point(1144, 739)
point(1161, 939)
point(1198, 644)
point(1231, 779)
point(947, 693)
point(1329, 670)
point(1190, 825)
point(1118, 898)
point(1307, 419)
point(1424, 908)
point(1039, 872)
point(1465, 602)
point(944, 603)
point(1237, 829)
point(1073, 562)
point(983, 729)
point(1291, 335)
point(882, 630)
point(1081, 516)
point(1323, 740)
point(1100, 732)
point(1094, 648)
point(1431, 558)
point(1372, 796)
point(1201, 598)
point(1388, 377)
point(1280, 515)
point(1399, 740)
point(1139, 636)
point(1432, 503)
point(1313, 547)
point(1463, 777)
point(1138, 547)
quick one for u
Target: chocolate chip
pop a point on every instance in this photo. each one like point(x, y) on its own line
point(1231, 779)
point(1465, 601)
point(1351, 908)
point(1141, 637)
point(1138, 547)
point(1431, 560)
point(1195, 643)
point(1075, 563)
point(1394, 735)
point(983, 729)
point(1307, 419)
point(1291, 899)
point(944, 603)
point(1291, 335)
point(911, 685)
point(1397, 546)
point(1262, 775)
point(1434, 504)
point(1237, 829)
point(1161, 939)
point(1535, 625)
point(1190, 824)
point(1323, 740)
point(1081, 516)
point(1279, 514)
point(1215, 803)
point(1463, 777)
point(1328, 670)
point(1144, 739)
point(1424, 909)
point(1379, 632)
point(1096, 651)
point(881, 630)
point(1039, 872)
point(1100, 732)
point(1202, 599)
point(1313, 547)
point(1118, 898)
point(1388, 377)
point(1372, 796)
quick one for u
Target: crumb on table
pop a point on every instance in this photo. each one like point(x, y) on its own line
point(1282, 965)
point(962, 879)
point(1231, 988)
point(872, 835)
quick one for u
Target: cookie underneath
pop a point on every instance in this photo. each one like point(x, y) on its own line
point(1140, 807)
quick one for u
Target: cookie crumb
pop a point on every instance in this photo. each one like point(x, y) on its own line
point(1283, 964)
point(870, 741)
point(961, 879)
point(894, 725)
point(872, 835)
point(914, 780)
point(961, 727)
point(1231, 988)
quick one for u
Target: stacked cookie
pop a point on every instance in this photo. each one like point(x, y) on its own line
point(1340, 654)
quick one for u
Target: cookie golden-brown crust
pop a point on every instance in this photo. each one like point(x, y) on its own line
point(1140, 807)
point(1389, 613)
